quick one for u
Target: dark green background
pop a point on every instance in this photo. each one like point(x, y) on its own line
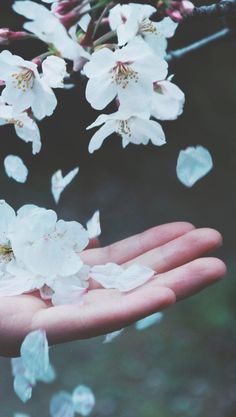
point(185, 366)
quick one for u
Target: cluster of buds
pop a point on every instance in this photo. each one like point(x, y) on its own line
point(7, 36)
point(175, 9)
point(69, 11)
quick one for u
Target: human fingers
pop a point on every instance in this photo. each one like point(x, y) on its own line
point(181, 250)
point(136, 245)
point(191, 278)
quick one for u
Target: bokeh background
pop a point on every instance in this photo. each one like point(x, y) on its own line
point(186, 365)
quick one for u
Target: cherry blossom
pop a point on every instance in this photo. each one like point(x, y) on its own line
point(25, 127)
point(47, 247)
point(127, 73)
point(47, 27)
point(132, 20)
point(167, 101)
point(132, 129)
point(25, 88)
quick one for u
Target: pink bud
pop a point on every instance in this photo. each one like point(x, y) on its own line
point(186, 6)
point(7, 36)
point(4, 36)
point(175, 15)
point(64, 7)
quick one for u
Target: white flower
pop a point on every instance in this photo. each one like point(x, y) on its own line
point(58, 182)
point(46, 26)
point(24, 86)
point(47, 247)
point(128, 73)
point(193, 164)
point(132, 20)
point(37, 252)
point(7, 216)
point(70, 290)
point(25, 127)
point(114, 276)
point(15, 168)
point(132, 129)
point(167, 101)
point(93, 225)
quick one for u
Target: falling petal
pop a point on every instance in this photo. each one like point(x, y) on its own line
point(83, 399)
point(58, 182)
point(61, 405)
point(15, 168)
point(113, 335)
point(22, 388)
point(93, 225)
point(193, 164)
point(34, 354)
point(148, 321)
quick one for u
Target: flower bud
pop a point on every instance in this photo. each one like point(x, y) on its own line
point(64, 7)
point(186, 6)
point(7, 36)
point(175, 15)
point(4, 36)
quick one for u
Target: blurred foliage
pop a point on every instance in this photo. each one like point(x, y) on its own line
point(185, 366)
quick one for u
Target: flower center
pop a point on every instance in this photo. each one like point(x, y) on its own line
point(5, 250)
point(124, 128)
point(17, 123)
point(123, 73)
point(147, 26)
point(23, 80)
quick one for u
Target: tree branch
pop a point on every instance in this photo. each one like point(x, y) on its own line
point(180, 53)
point(221, 9)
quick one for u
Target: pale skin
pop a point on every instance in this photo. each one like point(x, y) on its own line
point(175, 251)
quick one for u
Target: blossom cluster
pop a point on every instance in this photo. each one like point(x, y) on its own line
point(120, 50)
point(40, 252)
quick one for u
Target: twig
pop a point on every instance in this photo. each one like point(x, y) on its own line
point(223, 8)
point(180, 53)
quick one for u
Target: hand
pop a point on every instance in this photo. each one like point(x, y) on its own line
point(173, 250)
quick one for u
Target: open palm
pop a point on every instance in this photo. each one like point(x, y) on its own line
point(173, 250)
